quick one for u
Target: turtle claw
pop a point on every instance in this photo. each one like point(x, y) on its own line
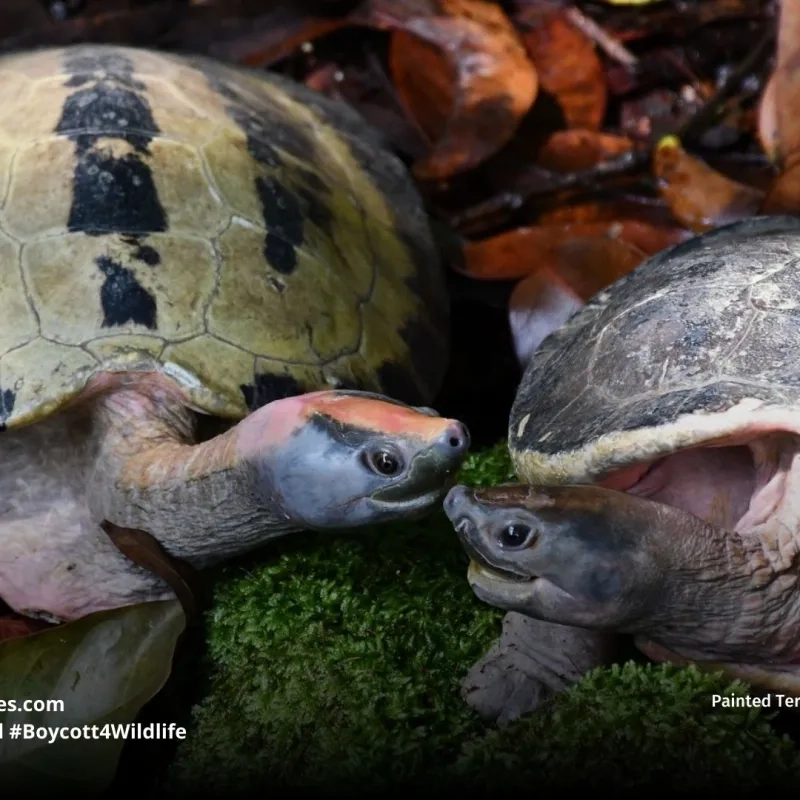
point(531, 661)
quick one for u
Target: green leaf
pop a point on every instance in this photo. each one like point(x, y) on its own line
point(104, 667)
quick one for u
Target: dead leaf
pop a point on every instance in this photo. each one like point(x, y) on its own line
point(369, 90)
point(700, 197)
point(768, 122)
point(572, 272)
point(144, 549)
point(783, 196)
point(779, 123)
point(463, 74)
point(104, 668)
point(576, 149)
point(587, 255)
point(781, 99)
point(568, 66)
point(590, 263)
point(539, 304)
point(609, 207)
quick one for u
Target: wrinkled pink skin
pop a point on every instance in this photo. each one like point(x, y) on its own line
point(125, 451)
point(55, 561)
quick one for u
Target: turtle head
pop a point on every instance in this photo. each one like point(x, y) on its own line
point(575, 555)
point(344, 459)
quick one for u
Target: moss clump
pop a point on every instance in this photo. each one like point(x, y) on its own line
point(637, 727)
point(337, 663)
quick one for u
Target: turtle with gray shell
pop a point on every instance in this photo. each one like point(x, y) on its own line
point(657, 435)
point(184, 241)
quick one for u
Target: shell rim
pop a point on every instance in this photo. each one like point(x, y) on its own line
point(616, 450)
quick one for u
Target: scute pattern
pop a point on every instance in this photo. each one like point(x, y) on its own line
point(700, 327)
point(235, 229)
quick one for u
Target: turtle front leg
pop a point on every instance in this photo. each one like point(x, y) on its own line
point(530, 661)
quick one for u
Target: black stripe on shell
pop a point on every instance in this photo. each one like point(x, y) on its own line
point(427, 339)
point(266, 388)
point(123, 299)
point(8, 398)
point(285, 224)
point(270, 133)
point(110, 193)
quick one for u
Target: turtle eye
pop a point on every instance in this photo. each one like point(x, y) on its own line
point(515, 536)
point(384, 461)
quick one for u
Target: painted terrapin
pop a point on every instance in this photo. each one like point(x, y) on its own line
point(183, 240)
point(675, 395)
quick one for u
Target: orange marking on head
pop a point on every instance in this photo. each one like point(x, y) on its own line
point(375, 415)
point(272, 425)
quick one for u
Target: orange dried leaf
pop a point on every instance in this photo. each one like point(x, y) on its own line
point(568, 66)
point(605, 251)
point(576, 150)
point(575, 271)
point(782, 94)
point(590, 263)
point(768, 122)
point(538, 305)
point(605, 209)
point(644, 236)
point(463, 74)
point(783, 196)
point(700, 197)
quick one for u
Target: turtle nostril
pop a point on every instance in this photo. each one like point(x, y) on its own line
point(457, 437)
point(455, 500)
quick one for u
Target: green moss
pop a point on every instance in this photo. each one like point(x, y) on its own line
point(637, 726)
point(338, 661)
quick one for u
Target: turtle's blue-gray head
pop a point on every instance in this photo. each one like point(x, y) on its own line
point(343, 459)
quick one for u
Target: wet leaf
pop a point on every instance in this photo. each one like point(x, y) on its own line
point(104, 667)
point(538, 305)
point(568, 66)
point(370, 92)
point(783, 196)
point(576, 149)
point(779, 122)
point(590, 263)
point(573, 272)
point(145, 550)
point(587, 255)
point(463, 74)
point(611, 206)
point(779, 119)
point(700, 197)
point(768, 122)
